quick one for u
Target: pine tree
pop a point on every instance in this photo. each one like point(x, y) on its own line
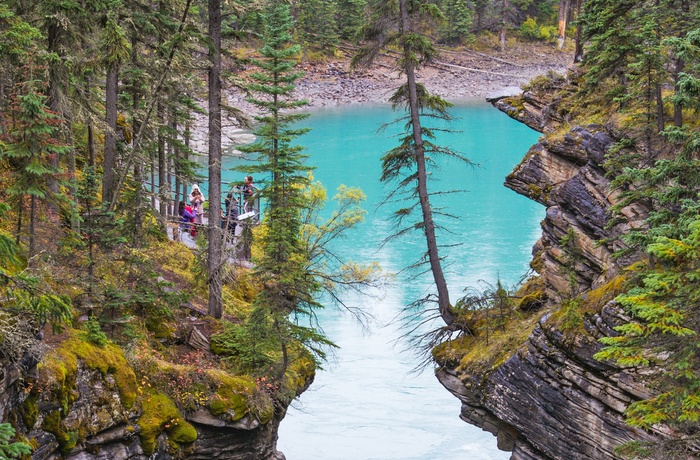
point(285, 305)
point(397, 24)
point(215, 308)
point(351, 18)
point(458, 22)
point(318, 25)
point(29, 148)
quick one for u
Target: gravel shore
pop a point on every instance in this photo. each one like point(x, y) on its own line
point(456, 75)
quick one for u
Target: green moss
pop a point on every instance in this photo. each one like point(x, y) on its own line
point(57, 373)
point(300, 372)
point(66, 439)
point(108, 360)
point(535, 191)
point(482, 353)
point(160, 329)
point(231, 396)
point(531, 294)
point(570, 315)
point(594, 300)
point(537, 262)
point(30, 411)
point(58, 370)
point(161, 415)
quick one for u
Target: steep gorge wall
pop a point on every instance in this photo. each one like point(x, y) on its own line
point(87, 417)
point(551, 399)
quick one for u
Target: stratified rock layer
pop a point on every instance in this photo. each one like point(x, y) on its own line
point(106, 430)
point(551, 399)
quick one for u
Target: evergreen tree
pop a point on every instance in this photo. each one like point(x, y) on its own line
point(289, 291)
point(318, 25)
point(29, 148)
point(9, 449)
point(351, 18)
point(215, 308)
point(458, 21)
point(398, 24)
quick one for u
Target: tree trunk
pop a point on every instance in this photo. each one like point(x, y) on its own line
point(74, 211)
point(162, 178)
point(54, 103)
point(20, 206)
point(172, 157)
point(186, 155)
point(677, 108)
point(32, 228)
point(660, 124)
point(3, 121)
point(578, 52)
point(561, 30)
point(504, 23)
point(135, 128)
point(152, 161)
point(428, 223)
point(178, 173)
point(110, 149)
point(215, 307)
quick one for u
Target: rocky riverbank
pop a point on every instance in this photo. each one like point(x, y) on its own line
point(456, 75)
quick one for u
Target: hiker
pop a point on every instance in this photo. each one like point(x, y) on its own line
point(230, 215)
point(197, 202)
point(248, 190)
point(188, 216)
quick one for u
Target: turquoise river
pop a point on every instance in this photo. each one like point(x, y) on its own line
point(367, 404)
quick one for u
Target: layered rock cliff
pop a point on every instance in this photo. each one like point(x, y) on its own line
point(85, 402)
point(546, 397)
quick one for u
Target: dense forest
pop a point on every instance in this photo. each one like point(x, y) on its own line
point(98, 100)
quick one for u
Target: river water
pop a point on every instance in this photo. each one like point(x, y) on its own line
point(367, 403)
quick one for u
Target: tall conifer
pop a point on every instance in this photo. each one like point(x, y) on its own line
point(399, 24)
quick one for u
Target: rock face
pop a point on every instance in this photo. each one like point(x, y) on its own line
point(551, 399)
point(104, 429)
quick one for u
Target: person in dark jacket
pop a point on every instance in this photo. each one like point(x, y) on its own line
point(230, 216)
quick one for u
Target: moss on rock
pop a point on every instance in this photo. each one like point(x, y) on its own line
point(230, 400)
point(480, 354)
point(161, 415)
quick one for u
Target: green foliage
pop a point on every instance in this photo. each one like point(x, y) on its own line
point(21, 291)
point(335, 273)
point(17, 37)
point(351, 18)
point(318, 25)
point(663, 310)
point(289, 291)
point(161, 415)
point(94, 334)
point(29, 146)
point(456, 29)
point(10, 449)
point(485, 310)
point(533, 31)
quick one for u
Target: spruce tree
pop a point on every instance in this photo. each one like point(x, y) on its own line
point(406, 166)
point(458, 21)
point(289, 292)
point(29, 148)
point(317, 24)
point(351, 18)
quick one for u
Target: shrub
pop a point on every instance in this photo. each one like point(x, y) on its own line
point(530, 30)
